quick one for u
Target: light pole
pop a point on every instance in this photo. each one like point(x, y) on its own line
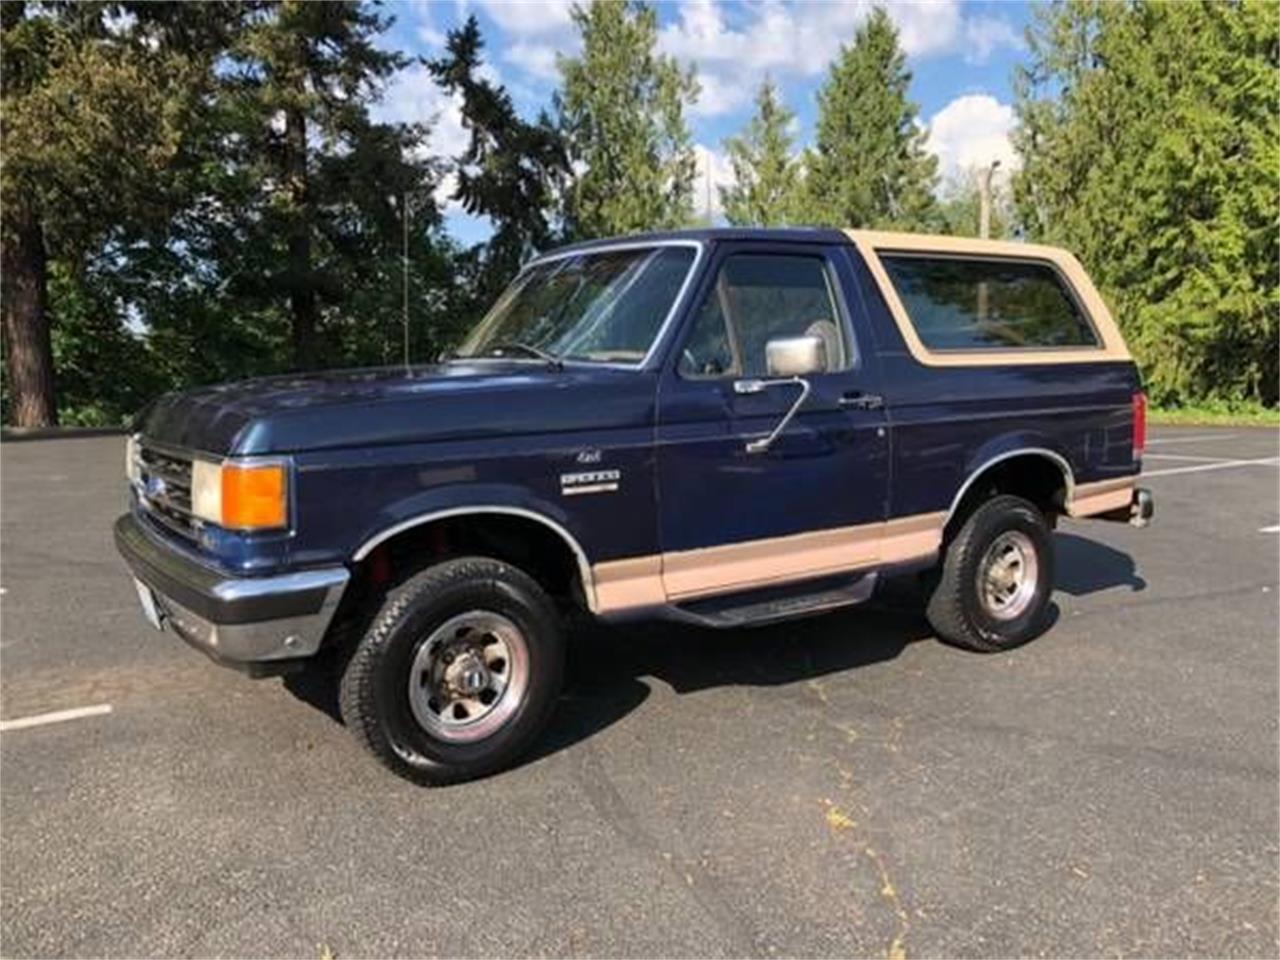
point(404, 263)
point(984, 200)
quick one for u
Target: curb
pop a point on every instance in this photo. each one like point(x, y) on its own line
point(19, 434)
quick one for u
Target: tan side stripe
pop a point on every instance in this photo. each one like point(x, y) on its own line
point(633, 582)
point(870, 242)
point(760, 563)
point(657, 579)
point(1101, 496)
point(907, 538)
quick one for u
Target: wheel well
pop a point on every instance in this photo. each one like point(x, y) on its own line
point(1032, 476)
point(532, 546)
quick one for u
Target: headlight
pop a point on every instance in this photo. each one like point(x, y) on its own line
point(241, 496)
point(132, 464)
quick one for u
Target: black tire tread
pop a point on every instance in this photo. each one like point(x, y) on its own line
point(356, 687)
point(946, 609)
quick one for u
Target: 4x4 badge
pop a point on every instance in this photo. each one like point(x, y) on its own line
point(591, 481)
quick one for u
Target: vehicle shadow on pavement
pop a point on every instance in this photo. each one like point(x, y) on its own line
point(1086, 566)
point(608, 665)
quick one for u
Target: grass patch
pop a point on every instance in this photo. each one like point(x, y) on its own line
point(1217, 414)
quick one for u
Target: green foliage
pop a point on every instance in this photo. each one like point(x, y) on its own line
point(869, 167)
point(511, 170)
point(1217, 413)
point(94, 119)
point(622, 109)
point(960, 204)
point(766, 174)
point(1151, 144)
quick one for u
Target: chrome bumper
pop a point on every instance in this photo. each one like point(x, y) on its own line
point(238, 621)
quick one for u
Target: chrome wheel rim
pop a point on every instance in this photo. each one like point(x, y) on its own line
point(469, 676)
point(1008, 575)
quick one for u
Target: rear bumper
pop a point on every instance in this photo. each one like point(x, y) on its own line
point(238, 621)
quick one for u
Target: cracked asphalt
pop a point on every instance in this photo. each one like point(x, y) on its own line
point(843, 786)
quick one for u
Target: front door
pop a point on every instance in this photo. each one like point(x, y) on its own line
point(733, 516)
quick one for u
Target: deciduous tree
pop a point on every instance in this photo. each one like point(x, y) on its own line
point(96, 99)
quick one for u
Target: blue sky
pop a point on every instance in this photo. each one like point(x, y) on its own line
point(961, 54)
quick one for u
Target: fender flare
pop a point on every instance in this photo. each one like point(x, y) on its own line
point(580, 555)
point(1057, 459)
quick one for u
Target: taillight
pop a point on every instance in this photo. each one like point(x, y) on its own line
point(1139, 424)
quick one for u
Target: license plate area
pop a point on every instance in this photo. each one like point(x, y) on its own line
point(148, 601)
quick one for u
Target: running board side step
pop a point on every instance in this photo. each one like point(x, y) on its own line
point(758, 607)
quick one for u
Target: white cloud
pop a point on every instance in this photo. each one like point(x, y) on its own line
point(804, 37)
point(983, 36)
point(732, 53)
point(424, 25)
point(713, 171)
point(524, 18)
point(414, 97)
point(536, 59)
point(970, 132)
point(719, 95)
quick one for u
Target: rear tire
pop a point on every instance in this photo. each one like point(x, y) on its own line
point(458, 673)
point(992, 592)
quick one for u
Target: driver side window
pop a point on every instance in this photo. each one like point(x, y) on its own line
point(757, 298)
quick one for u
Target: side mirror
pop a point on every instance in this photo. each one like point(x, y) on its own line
point(795, 356)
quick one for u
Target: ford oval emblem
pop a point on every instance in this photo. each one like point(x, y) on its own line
point(156, 487)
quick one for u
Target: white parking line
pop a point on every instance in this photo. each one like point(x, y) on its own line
point(1198, 438)
point(1275, 529)
point(1220, 465)
point(1177, 456)
point(57, 716)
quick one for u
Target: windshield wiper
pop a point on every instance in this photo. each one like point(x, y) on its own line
point(503, 346)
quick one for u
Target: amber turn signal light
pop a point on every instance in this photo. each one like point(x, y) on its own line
point(255, 497)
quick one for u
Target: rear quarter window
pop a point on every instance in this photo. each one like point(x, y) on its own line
point(968, 303)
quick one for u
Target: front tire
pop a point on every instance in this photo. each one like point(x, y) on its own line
point(993, 590)
point(458, 673)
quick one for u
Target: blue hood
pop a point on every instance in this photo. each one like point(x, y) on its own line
point(389, 405)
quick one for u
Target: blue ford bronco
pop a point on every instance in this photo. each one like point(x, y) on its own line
point(723, 427)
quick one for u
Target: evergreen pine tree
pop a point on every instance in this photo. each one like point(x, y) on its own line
point(511, 170)
point(622, 108)
point(1150, 143)
point(766, 174)
point(869, 167)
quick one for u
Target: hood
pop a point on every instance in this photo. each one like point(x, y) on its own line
point(387, 405)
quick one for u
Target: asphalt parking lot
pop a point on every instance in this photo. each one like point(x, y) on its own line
point(841, 786)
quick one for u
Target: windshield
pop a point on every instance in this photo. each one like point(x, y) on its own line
point(604, 307)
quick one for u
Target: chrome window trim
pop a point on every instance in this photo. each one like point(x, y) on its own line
point(584, 565)
point(835, 293)
point(700, 249)
point(1056, 458)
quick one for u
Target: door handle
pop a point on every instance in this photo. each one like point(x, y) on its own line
point(857, 400)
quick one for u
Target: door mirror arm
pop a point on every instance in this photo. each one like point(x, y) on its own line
point(762, 444)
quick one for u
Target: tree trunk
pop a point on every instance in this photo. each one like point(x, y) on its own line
point(302, 294)
point(28, 347)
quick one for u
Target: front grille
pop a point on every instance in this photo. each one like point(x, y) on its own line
point(165, 489)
